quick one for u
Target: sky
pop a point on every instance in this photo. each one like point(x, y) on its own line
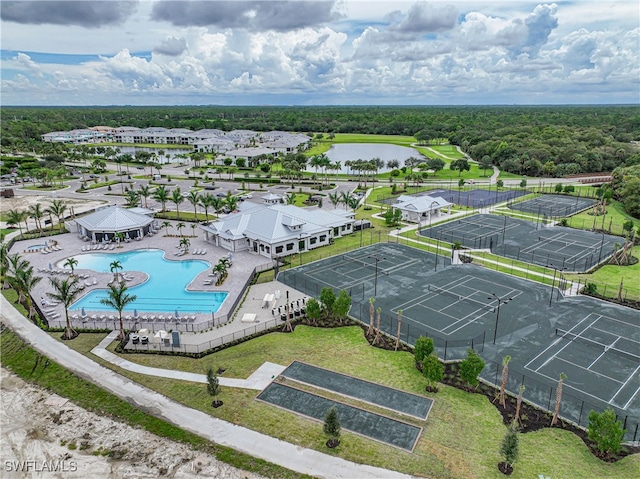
point(325, 52)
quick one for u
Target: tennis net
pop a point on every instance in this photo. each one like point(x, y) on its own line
point(458, 297)
point(598, 345)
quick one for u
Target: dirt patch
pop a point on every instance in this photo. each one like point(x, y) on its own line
point(89, 445)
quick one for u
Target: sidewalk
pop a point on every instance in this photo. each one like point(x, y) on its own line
point(259, 380)
point(296, 458)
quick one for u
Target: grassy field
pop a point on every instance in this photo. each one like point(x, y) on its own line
point(30, 366)
point(461, 438)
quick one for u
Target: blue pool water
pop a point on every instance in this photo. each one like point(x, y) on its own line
point(164, 291)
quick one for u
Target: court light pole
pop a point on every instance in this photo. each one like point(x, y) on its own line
point(500, 301)
point(375, 281)
point(555, 271)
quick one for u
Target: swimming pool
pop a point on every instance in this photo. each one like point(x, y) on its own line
point(164, 291)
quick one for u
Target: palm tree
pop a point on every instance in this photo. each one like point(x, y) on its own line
point(316, 162)
point(144, 192)
point(516, 416)
point(16, 264)
point(115, 268)
point(193, 229)
point(24, 281)
point(206, 203)
point(217, 204)
point(556, 409)
point(119, 299)
point(166, 225)
point(378, 314)
point(231, 202)
point(371, 311)
point(345, 197)
point(335, 199)
point(177, 198)
point(291, 198)
point(15, 217)
point(35, 212)
point(132, 197)
point(185, 243)
point(399, 326)
point(505, 376)
point(179, 227)
point(161, 196)
point(194, 199)
point(66, 291)
point(71, 263)
point(4, 264)
point(57, 208)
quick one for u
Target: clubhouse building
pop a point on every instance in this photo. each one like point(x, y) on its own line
point(274, 230)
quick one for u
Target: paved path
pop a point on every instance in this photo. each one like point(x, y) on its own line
point(259, 445)
point(259, 380)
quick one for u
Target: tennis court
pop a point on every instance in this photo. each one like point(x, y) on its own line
point(477, 198)
point(598, 349)
point(467, 305)
point(375, 426)
point(553, 206)
point(563, 248)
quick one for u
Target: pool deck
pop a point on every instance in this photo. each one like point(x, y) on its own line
point(51, 265)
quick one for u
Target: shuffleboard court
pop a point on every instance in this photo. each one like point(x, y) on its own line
point(394, 399)
point(359, 421)
point(554, 206)
point(562, 248)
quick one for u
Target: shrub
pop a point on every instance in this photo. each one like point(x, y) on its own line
point(471, 367)
point(509, 448)
point(433, 370)
point(423, 348)
point(605, 431)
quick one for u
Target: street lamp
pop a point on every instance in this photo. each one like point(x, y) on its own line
point(375, 281)
point(431, 211)
point(500, 301)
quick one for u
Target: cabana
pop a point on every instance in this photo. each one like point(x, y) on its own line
point(104, 224)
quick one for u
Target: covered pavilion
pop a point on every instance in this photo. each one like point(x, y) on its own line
point(106, 223)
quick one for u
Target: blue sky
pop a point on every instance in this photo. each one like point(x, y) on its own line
point(307, 52)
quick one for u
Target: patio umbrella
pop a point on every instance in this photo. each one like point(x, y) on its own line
point(135, 313)
point(83, 313)
point(175, 314)
point(50, 267)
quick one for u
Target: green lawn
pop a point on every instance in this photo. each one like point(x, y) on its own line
point(461, 438)
point(608, 278)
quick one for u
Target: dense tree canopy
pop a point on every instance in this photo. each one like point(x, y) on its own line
point(538, 140)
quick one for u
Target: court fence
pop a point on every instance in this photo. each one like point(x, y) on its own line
point(574, 407)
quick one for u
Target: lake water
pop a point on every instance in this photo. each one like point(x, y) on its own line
point(367, 151)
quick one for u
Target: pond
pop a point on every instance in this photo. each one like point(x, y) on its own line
point(343, 152)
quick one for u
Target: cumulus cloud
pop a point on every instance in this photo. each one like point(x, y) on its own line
point(540, 23)
point(279, 15)
point(88, 14)
point(424, 17)
point(172, 46)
